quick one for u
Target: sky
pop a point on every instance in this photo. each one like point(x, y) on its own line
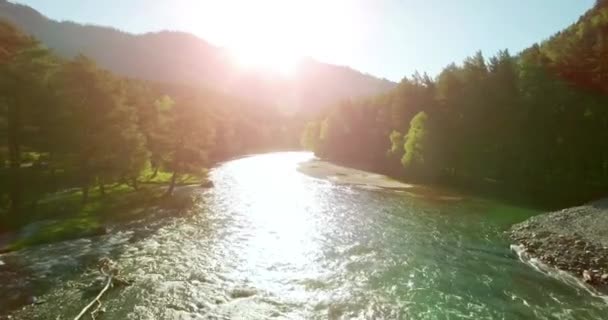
point(386, 38)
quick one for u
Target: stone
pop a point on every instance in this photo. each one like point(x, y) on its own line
point(207, 184)
point(242, 293)
point(587, 276)
point(553, 239)
point(99, 231)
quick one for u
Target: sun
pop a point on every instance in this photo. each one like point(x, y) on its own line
point(272, 35)
point(276, 35)
point(266, 58)
point(266, 35)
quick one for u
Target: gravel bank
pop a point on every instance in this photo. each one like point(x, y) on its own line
point(343, 175)
point(573, 240)
point(368, 180)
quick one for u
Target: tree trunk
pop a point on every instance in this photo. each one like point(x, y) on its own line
point(102, 187)
point(135, 184)
point(85, 193)
point(172, 185)
point(14, 155)
point(154, 173)
point(155, 168)
point(53, 171)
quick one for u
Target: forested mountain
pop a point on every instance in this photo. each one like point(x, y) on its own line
point(534, 125)
point(68, 124)
point(194, 62)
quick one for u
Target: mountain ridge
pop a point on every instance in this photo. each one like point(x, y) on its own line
point(184, 58)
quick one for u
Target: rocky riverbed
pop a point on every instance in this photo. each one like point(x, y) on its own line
point(573, 240)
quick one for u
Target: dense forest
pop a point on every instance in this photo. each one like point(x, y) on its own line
point(71, 125)
point(533, 126)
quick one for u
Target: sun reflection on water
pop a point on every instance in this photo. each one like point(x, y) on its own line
point(278, 203)
point(272, 243)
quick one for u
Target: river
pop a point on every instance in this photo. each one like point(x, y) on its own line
point(269, 242)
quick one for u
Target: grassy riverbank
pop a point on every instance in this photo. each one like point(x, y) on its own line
point(63, 215)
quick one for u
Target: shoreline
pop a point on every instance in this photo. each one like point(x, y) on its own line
point(321, 169)
point(183, 200)
point(72, 227)
point(342, 175)
point(572, 240)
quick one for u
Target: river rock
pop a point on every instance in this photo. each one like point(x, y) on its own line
point(587, 277)
point(207, 184)
point(99, 231)
point(572, 240)
point(242, 293)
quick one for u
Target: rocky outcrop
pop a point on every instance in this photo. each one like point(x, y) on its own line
point(573, 240)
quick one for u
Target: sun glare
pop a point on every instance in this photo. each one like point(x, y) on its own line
point(273, 35)
point(270, 35)
point(271, 59)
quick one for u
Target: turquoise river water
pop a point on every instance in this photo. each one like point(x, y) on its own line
point(269, 242)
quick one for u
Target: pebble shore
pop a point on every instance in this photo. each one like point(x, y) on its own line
point(574, 240)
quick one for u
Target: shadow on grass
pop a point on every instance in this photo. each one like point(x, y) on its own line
point(62, 215)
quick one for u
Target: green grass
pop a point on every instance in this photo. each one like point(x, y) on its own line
point(164, 177)
point(58, 230)
point(62, 216)
point(69, 203)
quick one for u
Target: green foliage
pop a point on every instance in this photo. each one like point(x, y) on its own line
point(396, 138)
point(23, 76)
point(415, 140)
point(190, 137)
point(164, 104)
point(69, 125)
point(533, 125)
point(107, 143)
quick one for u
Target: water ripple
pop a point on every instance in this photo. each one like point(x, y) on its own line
point(271, 243)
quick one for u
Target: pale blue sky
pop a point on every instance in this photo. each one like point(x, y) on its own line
point(387, 38)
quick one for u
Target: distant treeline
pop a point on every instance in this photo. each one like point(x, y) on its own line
point(533, 125)
point(69, 124)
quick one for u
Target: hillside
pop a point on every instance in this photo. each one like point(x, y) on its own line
point(579, 54)
point(531, 126)
point(193, 61)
